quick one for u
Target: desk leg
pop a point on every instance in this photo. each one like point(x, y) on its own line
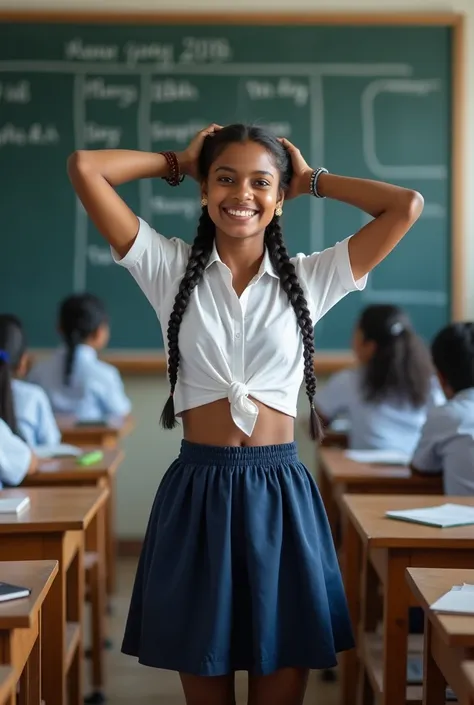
point(75, 605)
point(110, 509)
point(351, 570)
point(95, 540)
point(53, 665)
point(30, 684)
point(434, 683)
point(395, 628)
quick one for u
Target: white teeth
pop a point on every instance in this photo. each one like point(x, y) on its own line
point(240, 213)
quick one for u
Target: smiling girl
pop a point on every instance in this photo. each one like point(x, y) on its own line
point(238, 569)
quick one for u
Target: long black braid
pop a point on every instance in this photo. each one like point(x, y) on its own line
point(198, 258)
point(285, 269)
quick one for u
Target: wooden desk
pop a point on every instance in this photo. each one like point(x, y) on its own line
point(53, 528)
point(339, 475)
point(449, 639)
point(20, 623)
point(66, 472)
point(95, 435)
point(375, 546)
point(7, 685)
point(468, 672)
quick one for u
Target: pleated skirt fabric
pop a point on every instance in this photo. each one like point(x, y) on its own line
point(238, 569)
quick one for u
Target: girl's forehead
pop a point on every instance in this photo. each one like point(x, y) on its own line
point(245, 156)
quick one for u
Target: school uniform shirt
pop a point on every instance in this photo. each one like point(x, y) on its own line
point(447, 444)
point(237, 347)
point(386, 425)
point(95, 390)
point(15, 457)
point(34, 416)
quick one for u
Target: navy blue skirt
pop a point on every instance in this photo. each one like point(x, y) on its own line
point(238, 569)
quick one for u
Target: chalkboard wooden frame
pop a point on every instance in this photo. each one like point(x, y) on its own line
point(144, 364)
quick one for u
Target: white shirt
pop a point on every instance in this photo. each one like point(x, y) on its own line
point(95, 390)
point(15, 457)
point(447, 444)
point(34, 416)
point(386, 425)
point(237, 347)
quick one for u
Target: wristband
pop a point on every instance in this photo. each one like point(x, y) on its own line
point(313, 184)
point(175, 178)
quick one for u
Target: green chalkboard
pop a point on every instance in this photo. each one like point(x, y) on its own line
point(369, 101)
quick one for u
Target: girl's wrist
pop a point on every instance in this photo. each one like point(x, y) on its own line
point(305, 183)
point(184, 163)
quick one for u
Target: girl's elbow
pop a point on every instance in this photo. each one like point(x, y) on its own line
point(413, 206)
point(77, 163)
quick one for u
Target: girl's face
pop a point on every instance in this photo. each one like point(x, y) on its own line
point(242, 190)
point(363, 349)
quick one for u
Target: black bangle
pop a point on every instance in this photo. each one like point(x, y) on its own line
point(313, 184)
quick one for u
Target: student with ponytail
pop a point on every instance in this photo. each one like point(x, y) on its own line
point(74, 378)
point(23, 406)
point(238, 569)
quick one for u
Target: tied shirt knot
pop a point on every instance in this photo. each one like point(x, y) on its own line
point(244, 412)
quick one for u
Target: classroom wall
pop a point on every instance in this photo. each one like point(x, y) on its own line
point(150, 450)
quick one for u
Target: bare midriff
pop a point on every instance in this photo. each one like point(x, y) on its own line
point(212, 424)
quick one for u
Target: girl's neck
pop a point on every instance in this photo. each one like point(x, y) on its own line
point(242, 257)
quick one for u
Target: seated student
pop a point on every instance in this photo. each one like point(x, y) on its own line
point(386, 397)
point(16, 458)
point(447, 438)
point(33, 416)
point(75, 380)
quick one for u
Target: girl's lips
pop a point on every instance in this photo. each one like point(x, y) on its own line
point(240, 214)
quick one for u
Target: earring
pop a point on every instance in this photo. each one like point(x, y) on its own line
point(278, 211)
point(203, 201)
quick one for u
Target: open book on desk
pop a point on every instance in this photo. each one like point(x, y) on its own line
point(379, 457)
point(442, 516)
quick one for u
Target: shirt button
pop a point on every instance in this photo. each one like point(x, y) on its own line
point(237, 335)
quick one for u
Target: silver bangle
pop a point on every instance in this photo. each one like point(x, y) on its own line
point(313, 186)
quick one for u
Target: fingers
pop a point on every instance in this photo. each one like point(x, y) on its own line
point(211, 129)
point(289, 145)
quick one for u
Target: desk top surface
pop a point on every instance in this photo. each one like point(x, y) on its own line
point(53, 509)
point(64, 470)
point(342, 469)
point(35, 575)
point(366, 513)
point(118, 426)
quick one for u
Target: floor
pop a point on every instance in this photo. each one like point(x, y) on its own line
point(129, 683)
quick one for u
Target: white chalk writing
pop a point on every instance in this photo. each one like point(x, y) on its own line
point(19, 92)
point(180, 133)
point(281, 129)
point(188, 207)
point(155, 52)
point(283, 88)
point(37, 135)
point(107, 134)
point(76, 49)
point(99, 89)
point(197, 49)
point(169, 91)
point(99, 256)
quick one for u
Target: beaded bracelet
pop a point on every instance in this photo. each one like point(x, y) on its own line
point(175, 178)
point(313, 184)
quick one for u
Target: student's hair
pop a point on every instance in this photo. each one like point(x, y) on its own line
point(452, 351)
point(80, 316)
point(12, 349)
point(401, 366)
point(202, 247)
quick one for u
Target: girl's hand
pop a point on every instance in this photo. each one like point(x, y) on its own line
point(299, 185)
point(188, 159)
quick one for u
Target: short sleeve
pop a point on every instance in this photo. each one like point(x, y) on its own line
point(327, 276)
point(155, 262)
point(427, 456)
point(334, 397)
point(15, 457)
point(48, 432)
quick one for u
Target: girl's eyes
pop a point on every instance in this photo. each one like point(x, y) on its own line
point(260, 183)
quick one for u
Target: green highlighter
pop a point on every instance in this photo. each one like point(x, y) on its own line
point(90, 458)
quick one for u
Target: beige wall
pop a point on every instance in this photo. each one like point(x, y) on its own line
point(149, 450)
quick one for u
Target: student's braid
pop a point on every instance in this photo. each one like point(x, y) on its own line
point(198, 258)
point(286, 271)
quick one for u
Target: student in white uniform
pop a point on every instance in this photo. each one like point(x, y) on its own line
point(16, 458)
point(238, 569)
point(385, 399)
point(34, 419)
point(74, 378)
point(447, 439)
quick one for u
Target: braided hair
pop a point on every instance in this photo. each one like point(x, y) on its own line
point(80, 316)
point(452, 351)
point(201, 250)
point(13, 348)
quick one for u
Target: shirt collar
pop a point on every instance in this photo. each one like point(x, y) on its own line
point(266, 266)
point(465, 394)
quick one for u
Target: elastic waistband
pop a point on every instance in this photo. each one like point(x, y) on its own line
point(199, 454)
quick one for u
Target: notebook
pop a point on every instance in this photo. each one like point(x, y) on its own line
point(381, 457)
point(12, 592)
point(61, 450)
point(459, 600)
point(442, 516)
point(14, 505)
